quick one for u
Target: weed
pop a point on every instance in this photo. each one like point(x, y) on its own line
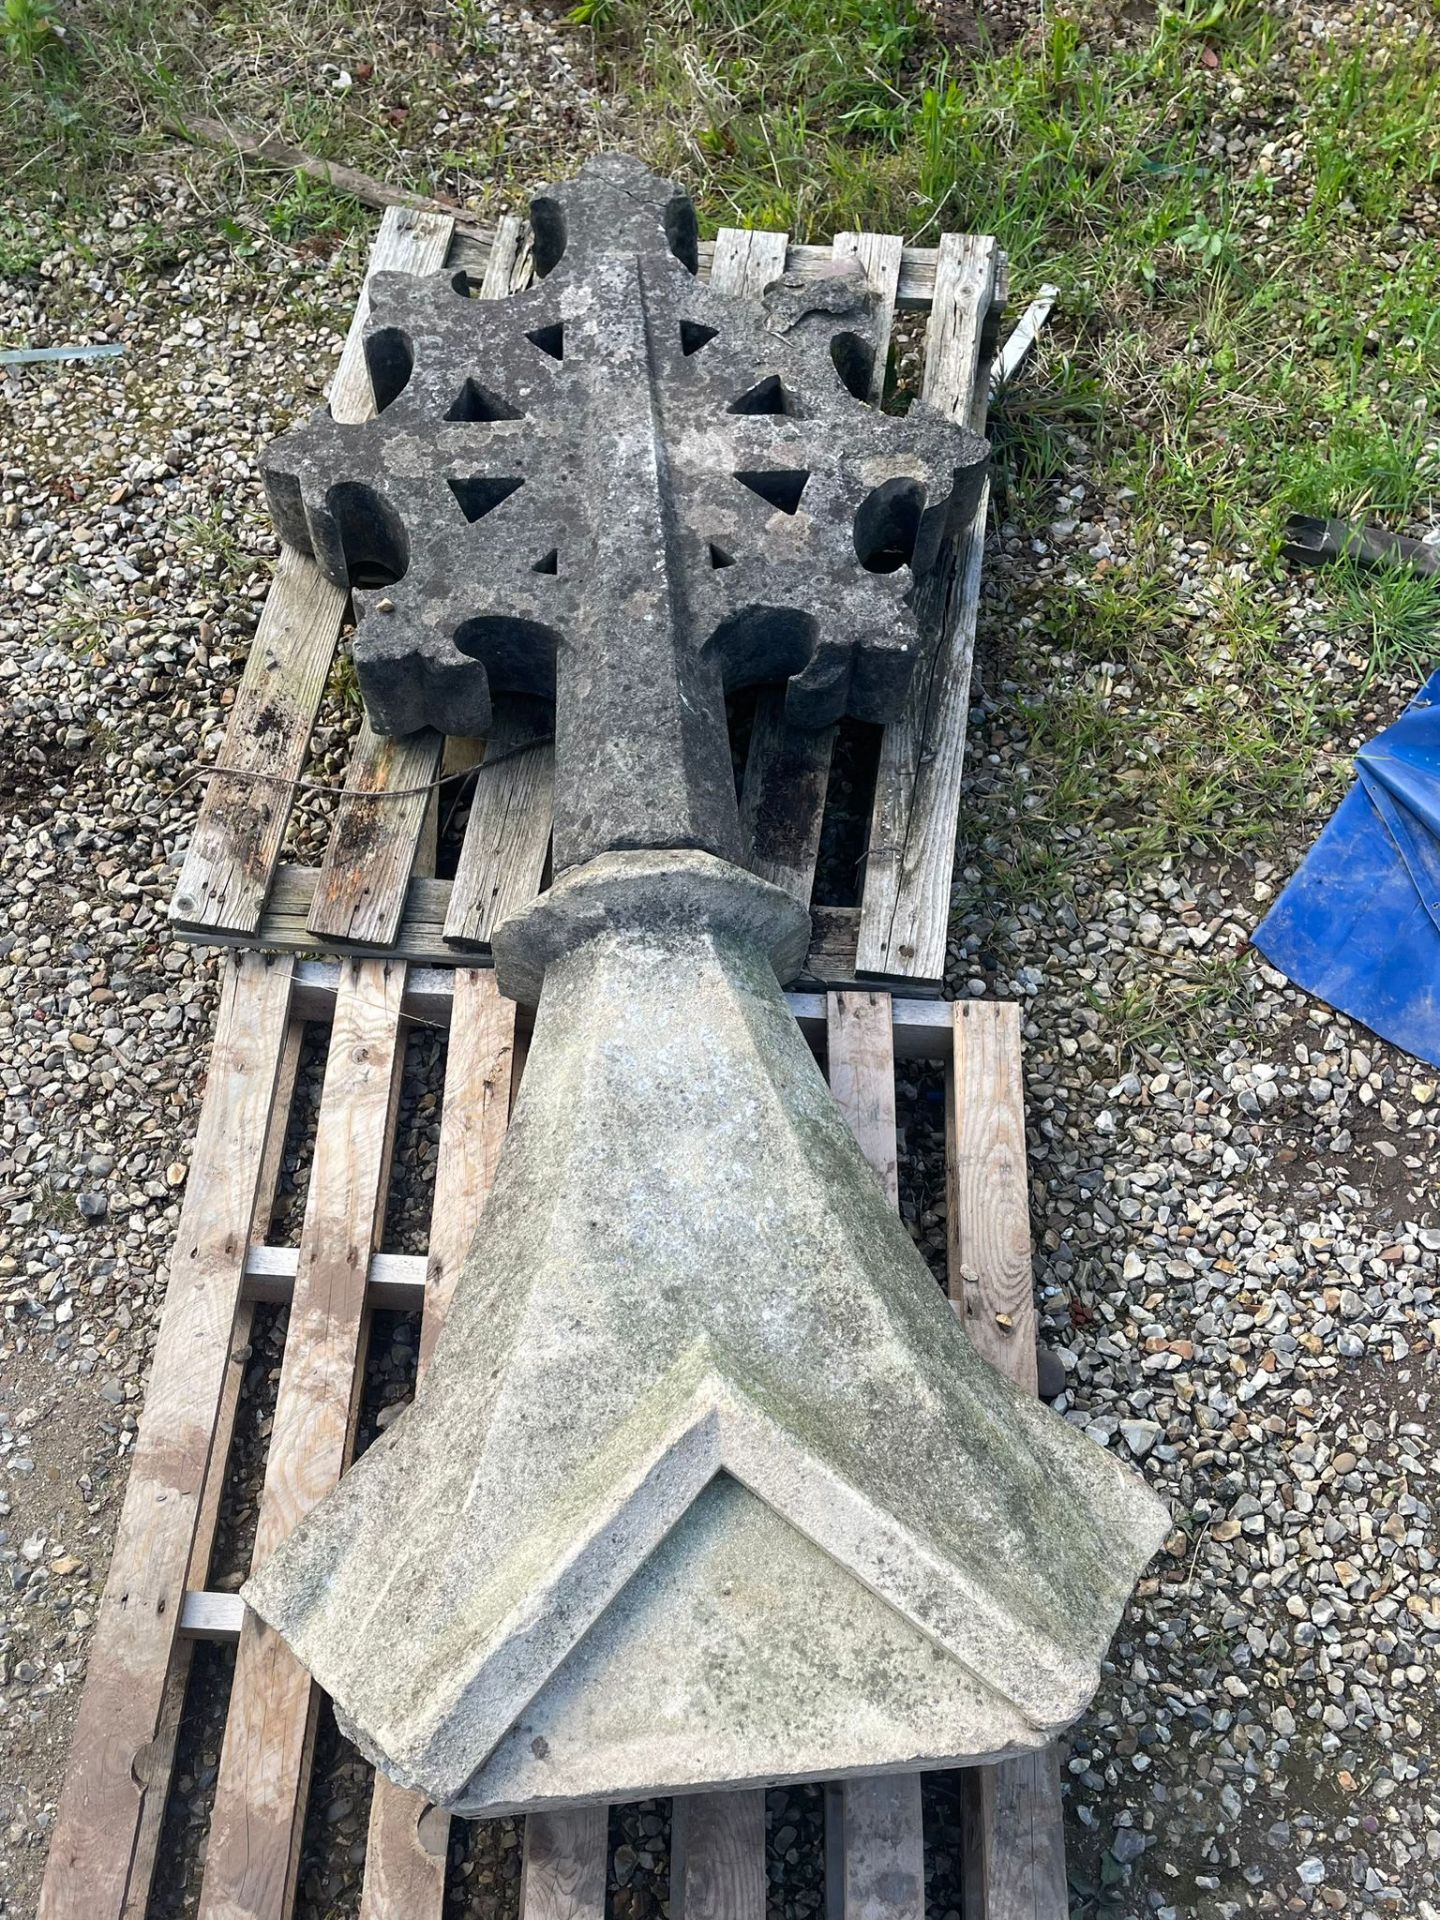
point(1178, 1010)
point(29, 29)
point(1391, 616)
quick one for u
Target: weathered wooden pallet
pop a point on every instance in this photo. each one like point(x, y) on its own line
point(363, 898)
point(156, 1604)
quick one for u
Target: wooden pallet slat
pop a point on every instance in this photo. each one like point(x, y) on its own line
point(236, 844)
point(258, 1818)
point(787, 769)
point(563, 1873)
point(406, 1851)
point(884, 1848)
point(161, 1762)
point(879, 257)
point(1014, 1862)
point(122, 1709)
point(360, 891)
point(882, 1836)
point(782, 797)
point(905, 908)
point(717, 1856)
point(507, 837)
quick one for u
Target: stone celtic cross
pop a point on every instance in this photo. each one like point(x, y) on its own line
point(705, 1484)
point(630, 495)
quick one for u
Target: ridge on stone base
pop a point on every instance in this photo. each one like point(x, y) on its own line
point(740, 1655)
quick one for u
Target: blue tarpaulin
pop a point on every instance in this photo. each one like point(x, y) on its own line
point(1359, 925)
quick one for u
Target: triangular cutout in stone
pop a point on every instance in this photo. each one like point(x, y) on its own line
point(481, 493)
point(549, 339)
point(769, 395)
point(694, 335)
point(474, 402)
point(780, 486)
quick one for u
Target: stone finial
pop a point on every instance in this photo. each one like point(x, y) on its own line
point(699, 1414)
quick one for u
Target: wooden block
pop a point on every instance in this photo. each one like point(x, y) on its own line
point(1013, 1862)
point(717, 1856)
point(405, 1853)
point(884, 1848)
point(121, 1722)
point(987, 1188)
point(1014, 1859)
point(563, 1877)
point(389, 784)
point(862, 1077)
point(909, 869)
point(236, 844)
point(258, 1819)
point(507, 836)
point(782, 799)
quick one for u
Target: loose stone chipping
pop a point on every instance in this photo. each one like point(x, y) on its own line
point(697, 1390)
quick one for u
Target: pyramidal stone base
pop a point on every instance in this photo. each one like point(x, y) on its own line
point(705, 1484)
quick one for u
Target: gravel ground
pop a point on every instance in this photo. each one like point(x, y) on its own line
point(1235, 1230)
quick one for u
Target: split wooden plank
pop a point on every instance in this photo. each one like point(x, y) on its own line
point(383, 814)
point(879, 257)
point(360, 894)
point(563, 1877)
point(237, 839)
point(883, 1844)
point(787, 770)
point(103, 1804)
point(717, 1856)
point(406, 1848)
point(746, 260)
point(162, 1748)
point(258, 1818)
point(861, 1039)
point(905, 911)
point(987, 1188)
point(507, 837)
point(1014, 1857)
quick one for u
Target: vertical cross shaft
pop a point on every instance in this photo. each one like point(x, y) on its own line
point(642, 748)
